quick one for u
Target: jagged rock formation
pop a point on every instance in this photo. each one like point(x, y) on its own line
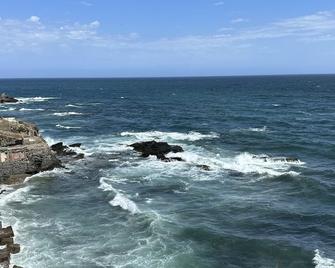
point(7, 246)
point(23, 151)
point(65, 152)
point(159, 149)
point(5, 98)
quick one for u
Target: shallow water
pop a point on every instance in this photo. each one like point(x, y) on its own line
point(115, 209)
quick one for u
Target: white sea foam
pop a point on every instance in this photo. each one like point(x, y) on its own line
point(9, 109)
point(190, 136)
point(257, 129)
point(34, 99)
point(249, 163)
point(73, 105)
point(120, 199)
point(66, 127)
point(67, 113)
point(322, 262)
point(27, 109)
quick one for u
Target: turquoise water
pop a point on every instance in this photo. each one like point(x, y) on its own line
point(115, 209)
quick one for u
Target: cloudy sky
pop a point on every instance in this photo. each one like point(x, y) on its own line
point(117, 38)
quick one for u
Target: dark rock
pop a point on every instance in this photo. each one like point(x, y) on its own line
point(204, 167)
point(77, 145)
point(5, 98)
point(65, 151)
point(159, 149)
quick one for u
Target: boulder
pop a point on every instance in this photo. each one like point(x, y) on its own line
point(158, 149)
point(65, 151)
point(5, 98)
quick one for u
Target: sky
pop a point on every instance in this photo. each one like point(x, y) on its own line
point(150, 38)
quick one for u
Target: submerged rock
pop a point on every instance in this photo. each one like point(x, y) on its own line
point(159, 149)
point(23, 152)
point(5, 98)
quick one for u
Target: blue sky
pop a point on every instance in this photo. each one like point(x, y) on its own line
point(117, 38)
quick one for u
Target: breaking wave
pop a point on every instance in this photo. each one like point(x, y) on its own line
point(67, 127)
point(249, 163)
point(120, 200)
point(27, 109)
point(67, 113)
point(34, 99)
point(322, 262)
point(190, 136)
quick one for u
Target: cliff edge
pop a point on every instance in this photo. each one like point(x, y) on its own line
point(23, 152)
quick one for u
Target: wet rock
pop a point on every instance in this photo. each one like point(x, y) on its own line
point(8, 246)
point(204, 167)
point(65, 152)
point(5, 98)
point(75, 145)
point(159, 149)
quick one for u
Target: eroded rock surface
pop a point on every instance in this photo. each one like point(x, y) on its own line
point(23, 152)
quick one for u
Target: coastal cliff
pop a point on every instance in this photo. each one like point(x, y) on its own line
point(23, 152)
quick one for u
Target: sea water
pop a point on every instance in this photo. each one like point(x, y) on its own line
point(116, 209)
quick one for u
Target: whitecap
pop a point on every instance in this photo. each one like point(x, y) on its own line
point(67, 113)
point(257, 129)
point(122, 201)
point(249, 163)
point(322, 262)
point(7, 110)
point(73, 106)
point(190, 136)
point(66, 127)
point(34, 99)
point(27, 109)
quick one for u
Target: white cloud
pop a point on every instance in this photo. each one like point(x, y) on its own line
point(95, 24)
point(34, 19)
point(84, 3)
point(239, 20)
point(18, 35)
point(219, 3)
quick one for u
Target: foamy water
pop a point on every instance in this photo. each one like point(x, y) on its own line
point(235, 194)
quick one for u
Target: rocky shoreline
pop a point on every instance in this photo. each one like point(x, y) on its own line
point(7, 246)
point(24, 152)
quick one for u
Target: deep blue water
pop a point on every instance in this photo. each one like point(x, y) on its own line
point(115, 209)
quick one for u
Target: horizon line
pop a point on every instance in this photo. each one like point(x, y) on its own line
point(168, 76)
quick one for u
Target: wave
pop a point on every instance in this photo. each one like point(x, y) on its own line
point(34, 99)
point(256, 129)
point(27, 109)
point(322, 262)
point(73, 106)
point(67, 113)
point(249, 163)
point(120, 200)
point(190, 136)
point(7, 110)
point(66, 127)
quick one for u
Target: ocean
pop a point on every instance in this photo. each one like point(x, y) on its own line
point(116, 209)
